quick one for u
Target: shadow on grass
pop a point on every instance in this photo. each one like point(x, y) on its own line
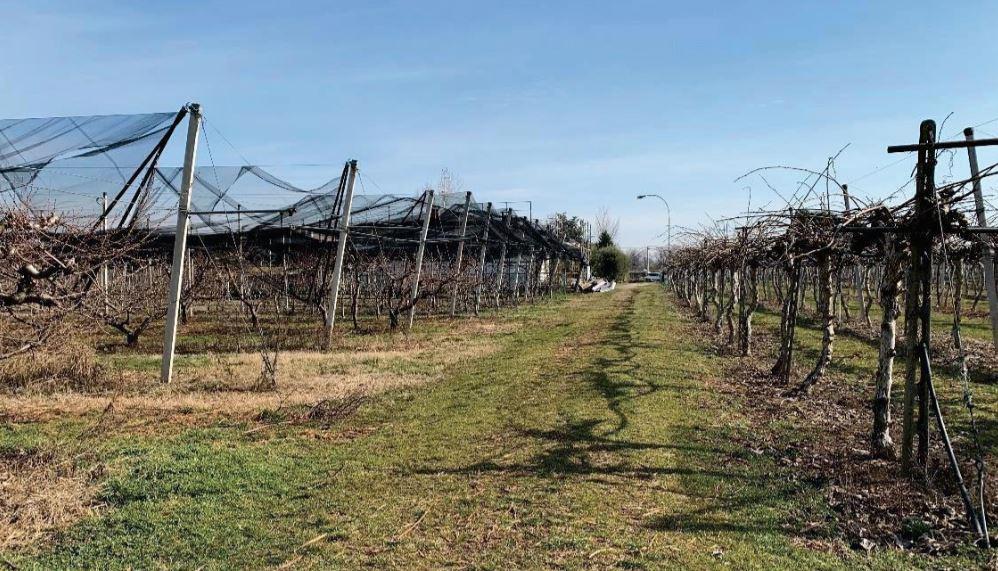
point(567, 451)
point(726, 489)
point(618, 377)
point(731, 514)
point(592, 447)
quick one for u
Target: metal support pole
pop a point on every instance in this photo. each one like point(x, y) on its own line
point(180, 243)
point(588, 271)
point(502, 258)
point(242, 271)
point(284, 267)
point(529, 277)
point(105, 281)
point(564, 276)
point(427, 214)
point(343, 226)
point(516, 277)
point(982, 221)
point(460, 253)
point(481, 257)
point(668, 212)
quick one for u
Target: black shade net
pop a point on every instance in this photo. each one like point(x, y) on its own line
point(74, 166)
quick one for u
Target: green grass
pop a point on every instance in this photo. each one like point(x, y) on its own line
point(589, 440)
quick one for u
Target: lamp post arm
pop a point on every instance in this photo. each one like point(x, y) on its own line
point(668, 210)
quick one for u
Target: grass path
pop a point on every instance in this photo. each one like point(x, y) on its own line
point(589, 440)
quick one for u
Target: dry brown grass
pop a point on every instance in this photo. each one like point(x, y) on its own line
point(222, 385)
point(43, 491)
point(40, 493)
point(68, 365)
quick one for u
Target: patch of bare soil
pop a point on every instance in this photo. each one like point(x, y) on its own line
point(822, 442)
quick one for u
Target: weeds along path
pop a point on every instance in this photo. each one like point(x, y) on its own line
point(587, 440)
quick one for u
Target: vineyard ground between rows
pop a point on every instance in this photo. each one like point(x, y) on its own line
point(597, 431)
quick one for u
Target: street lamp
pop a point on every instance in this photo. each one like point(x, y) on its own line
point(668, 211)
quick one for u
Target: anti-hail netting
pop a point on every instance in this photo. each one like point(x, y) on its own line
point(66, 165)
point(88, 220)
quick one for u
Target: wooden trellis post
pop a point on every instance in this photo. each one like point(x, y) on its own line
point(918, 304)
point(918, 307)
point(857, 277)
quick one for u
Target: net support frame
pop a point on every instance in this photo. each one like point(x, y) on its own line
point(460, 252)
point(343, 226)
point(481, 257)
point(180, 244)
point(427, 215)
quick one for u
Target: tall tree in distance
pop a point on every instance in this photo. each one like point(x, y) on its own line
point(605, 240)
point(449, 183)
point(609, 262)
point(608, 225)
point(570, 229)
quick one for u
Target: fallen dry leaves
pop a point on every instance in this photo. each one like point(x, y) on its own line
point(870, 505)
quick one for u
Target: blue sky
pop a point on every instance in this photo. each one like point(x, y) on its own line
point(574, 105)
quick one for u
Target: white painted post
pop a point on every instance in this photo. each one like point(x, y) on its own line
point(242, 271)
point(516, 277)
point(284, 267)
point(589, 254)
point(502, 259)
point(343, 225)
point(564, 277)
point(427, 214)
point(180, 242)
point(529, 277)
point(481, 257)
point(555, 271)
point(460, 253)
point(105, 281)
point(982, 220)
